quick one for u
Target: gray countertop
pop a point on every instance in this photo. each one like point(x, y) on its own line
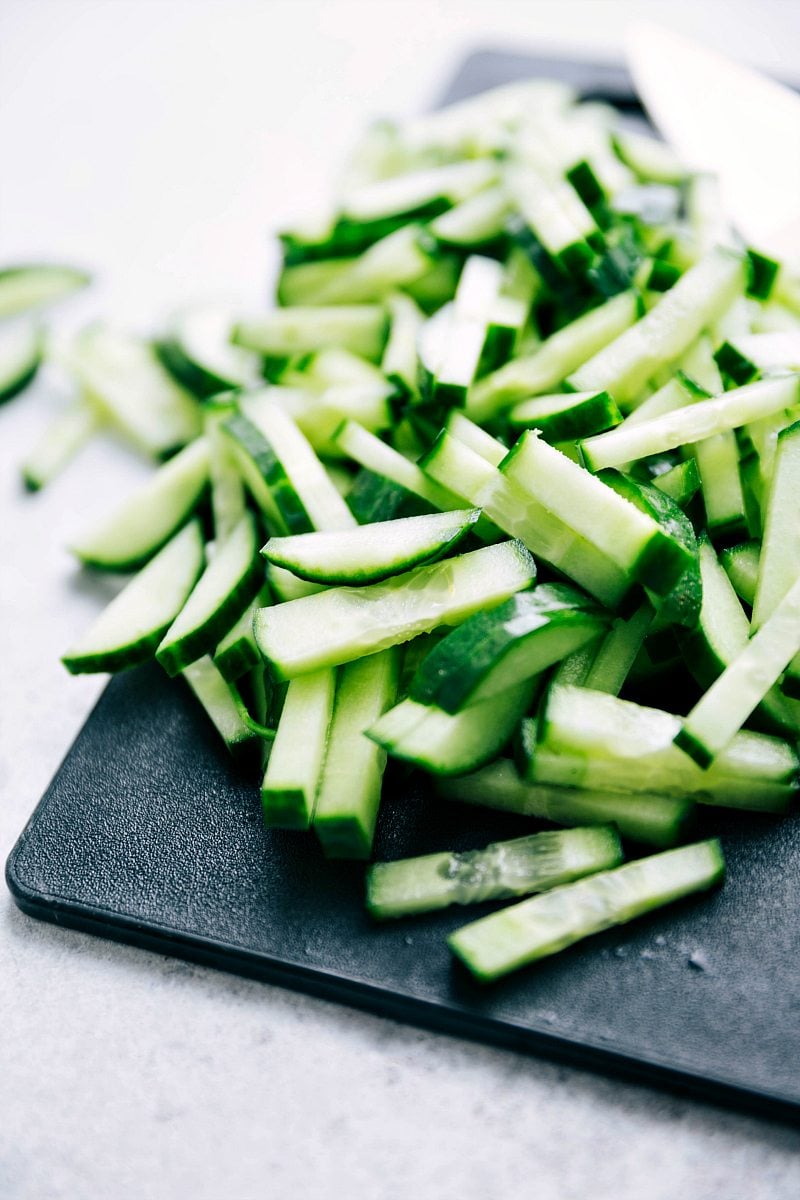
point(157, 143)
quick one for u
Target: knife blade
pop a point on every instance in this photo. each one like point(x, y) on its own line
point(726, 118)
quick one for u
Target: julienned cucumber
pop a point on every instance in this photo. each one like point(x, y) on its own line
point(128, 631)
point(503, 869)
point(20, 356)
point(226, 587)
point(536, 928)
point(25, 288)
point(341, 624)
point(371, 552)
point(291, 782)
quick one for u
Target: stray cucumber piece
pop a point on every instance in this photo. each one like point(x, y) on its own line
point(143, 523)
point(350, 788)
point(223, 592)
point(123, 377)
point(371, 552)
point(25, 288)
point(373, 454)
point(516, 868)
point(617, 652)
point(63, 438)
point(197, 351)
point(495, 649)
point(742, 565)
point(341, 624)
point(681, 482)
point(20, 356)
point(653, 819)
point(546, 924)
point(446, 744)
point(291, 781)
point(128, 631)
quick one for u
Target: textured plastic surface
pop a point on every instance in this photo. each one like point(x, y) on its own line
point(148, 836)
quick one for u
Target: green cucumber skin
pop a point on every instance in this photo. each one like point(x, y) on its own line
point(198, 380)
point(270, 468)
point(123, 659)
point(592, 416)
point(237, 659)
point(197, 642)
point(457, 666)
point(16, 386)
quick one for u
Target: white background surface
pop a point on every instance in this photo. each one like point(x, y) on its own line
point(157, 142)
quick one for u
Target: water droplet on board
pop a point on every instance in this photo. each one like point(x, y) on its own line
point(698, 960)
point(621, 952)
point(661, 941)
point(408, 939)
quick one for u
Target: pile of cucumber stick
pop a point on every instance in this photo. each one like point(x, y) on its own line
point(506, 485)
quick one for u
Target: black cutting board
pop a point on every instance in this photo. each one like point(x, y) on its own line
point(148, 836)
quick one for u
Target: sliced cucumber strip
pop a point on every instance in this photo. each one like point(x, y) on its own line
point(399, 362)
point(286, 332)
point(66, 435)
point(287, 586)
point(123, 377)
point(453, 464)
point(20, 356)
point(629, 537)
point(779, 562)
point(655, 820)
point(238, 653)
point(144, 522)
point(370, 452)
point(223, 592)
point(497, 649)
point(554, 360)
point(681, 482)
point(299, 467)
point(478, 440)
point(502, 869)
point(197, 350)
point(291, 781)
point(341, 624)
point(350, 789)
point(371, 552)
point(698, 299)
point(128, 631)
point(225, 713)
point(617, 652)
point(561, 418)
point(416, 192)
point(25, 288)
point(473, 222)
point(691, 424)
point(548, 923)
point(392, 262)
point(227, 485)
point(450, 744)
point(730, 700)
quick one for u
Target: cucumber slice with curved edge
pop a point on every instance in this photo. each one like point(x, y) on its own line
point(285, 332)
point(20, 356)
point(291, 781)
point(26, 287)
point(564, 417)
point(653, 819)
point(536, 928)
point(197, 350)
point(350, 788)
point(341, 624)
point(502, 869)
point(371, 552)
point(143, 523)
point(128, 631)
point(238, 653)
point(223, 592)
point(450, 744)
point(123, 377)
point(373, 454)
point(496, 649)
